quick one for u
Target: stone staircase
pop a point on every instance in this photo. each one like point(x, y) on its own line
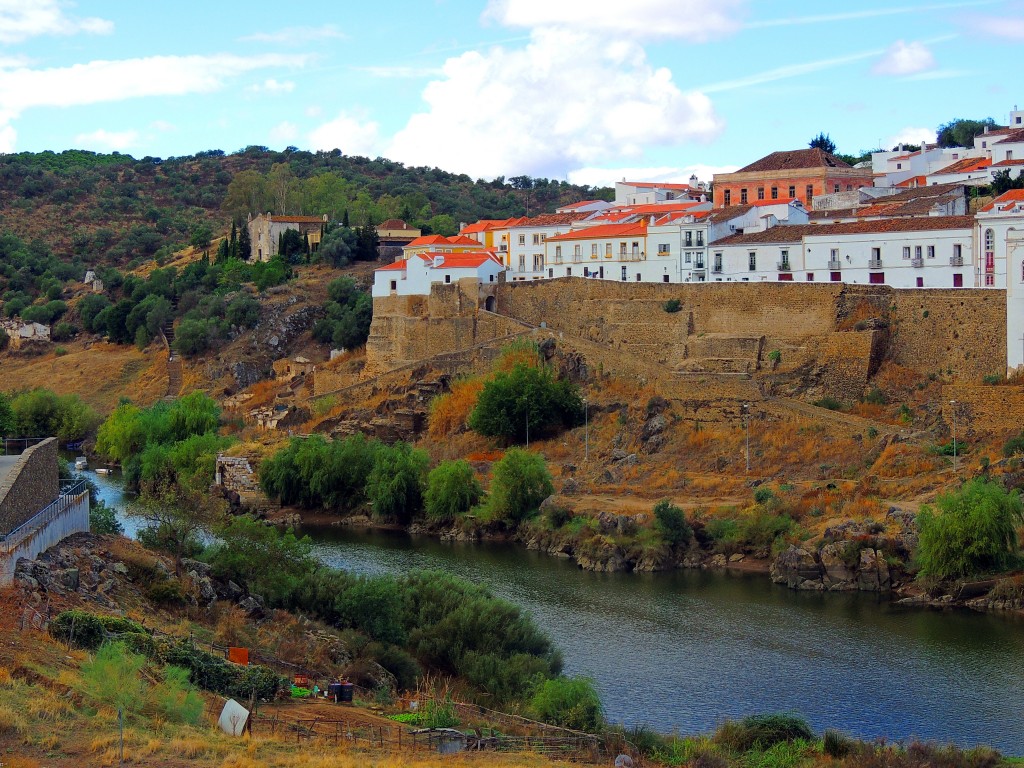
point(174, 369)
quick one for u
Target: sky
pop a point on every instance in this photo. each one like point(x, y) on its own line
point(588, 91)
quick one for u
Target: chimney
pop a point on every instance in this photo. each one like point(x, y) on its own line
point(437, 261)
point(986, 129)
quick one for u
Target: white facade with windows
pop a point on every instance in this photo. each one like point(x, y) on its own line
point(415, 276)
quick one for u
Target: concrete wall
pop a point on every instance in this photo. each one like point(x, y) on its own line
point(30, 485)
point(74, 519)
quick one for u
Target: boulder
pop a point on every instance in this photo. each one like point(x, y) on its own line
point(68, 579)
point(838, 575)
point(653, 426)
point(797, 569)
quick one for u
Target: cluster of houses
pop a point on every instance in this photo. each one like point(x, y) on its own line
point(902, 220)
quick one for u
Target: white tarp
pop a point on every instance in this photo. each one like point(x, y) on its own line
point(232, 718)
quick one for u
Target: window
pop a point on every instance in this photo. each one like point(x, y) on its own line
point(792, 191)
point(760, 193)
point(876, 278)
point(958, 281)
point(538, 262)
point(899, 166)
point(522, 262)
point(688, 257)
point(920, 282)
point(700, 237)
point(447, 278)
point(718, 262)
point(809, 192)
point(558, 253)
point(622, 249)
point(543, 237)
point(810, 277)
point(775, 193)
point(536, 239)
point(931, 251)
point(990, 241)
point(906, 251)
point(728, 197)
point(664, 249)
point(784, 260)
point(638, 277)
point(835, 187)
point(1009, 154)
point(636, 249)
point(835, 254)
point(849, 187)
point(577, 250)
point(835, 277)
point(990, 280)
point(876, 254)
point(607, 250)
point(752, 261)
point(688, 239)
point(743, 197)
point(984, 145)
point(664, 278)
point(394, 285)
point(786, 277)
point(593, 251)
point(568, 271)
point(551, 273)
point(623, 274)
point(522, 239)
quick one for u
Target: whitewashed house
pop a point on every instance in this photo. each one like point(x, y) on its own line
point(415, 276)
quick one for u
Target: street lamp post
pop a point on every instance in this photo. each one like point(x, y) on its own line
point(746, 428)
point(952, 405)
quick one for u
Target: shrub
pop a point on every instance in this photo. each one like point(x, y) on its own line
point(760, 530)
point(764, 495)
point(672, 523)
point(62, 332)
point(395, 484)
point(836, 744)
point(243, 311)
point(876, 397)
point(975, 532)
point(775, 356)
point(318, 473)
point(450, 412)
point(525, 401)
point(993, 379)
point(762, 732)
point(452, 490)
point(557, 516)
point(88, 630)
point(828, 402)
point(103, 519)
point(672, 306)
point(113, 678)
point(520, 482)
point(1014, 446)
point(440, 714)
point(568, 702)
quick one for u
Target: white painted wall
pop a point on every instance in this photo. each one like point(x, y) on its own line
point(34, 541)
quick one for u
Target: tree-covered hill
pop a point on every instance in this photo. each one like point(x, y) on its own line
point(116, 210)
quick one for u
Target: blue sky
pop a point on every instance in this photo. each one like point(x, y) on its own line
point(585, 90)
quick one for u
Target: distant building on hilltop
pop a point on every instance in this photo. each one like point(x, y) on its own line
point(266, 229)
point(800, 174)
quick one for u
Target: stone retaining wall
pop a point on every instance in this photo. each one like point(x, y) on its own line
point(30, 485)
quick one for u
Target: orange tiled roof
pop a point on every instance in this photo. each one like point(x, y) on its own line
point(604, 230)
point(550, 219)
point(1012, 196)
point(398, 265)
point(394, 224)
point(580, 204)
point(1007, 163)
point(468, 260)
point(1012, 136)
point(793, 160)
point(914, 181)
point(966, 165)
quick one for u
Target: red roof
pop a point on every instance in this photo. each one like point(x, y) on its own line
point(966, 165)
point(580, 204)
point(604, 230)
point(760, 203)
point(442, 240)
point(1005, 163)
point(469, 260)
point(1013, 196)
point(395, 266)
point(794, 234)
point(914, 181)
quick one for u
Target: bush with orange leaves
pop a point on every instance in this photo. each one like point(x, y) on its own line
point(450, 412)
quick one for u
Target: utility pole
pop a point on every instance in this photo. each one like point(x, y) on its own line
point(747, 438)
point(952, 405)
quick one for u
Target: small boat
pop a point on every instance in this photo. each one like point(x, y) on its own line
point(81, 463)
point(104, 471)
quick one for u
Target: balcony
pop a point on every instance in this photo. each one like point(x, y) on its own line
point(717, 269)
point(783, 266)
point(917, 261)
point(664, 253)
point(956, 261)
point(875, 263)
point(835, 264)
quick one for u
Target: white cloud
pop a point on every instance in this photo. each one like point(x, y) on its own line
point(97, 82)
point(567, 99)
point(911, 135)
point(104, 140)
point(296, 35)
point(284, 133)
point(350, 133)
point(904, 58)
point(272, 86)
point(8, 138)
point(606, 177)
point(24, 19)
point(401, 72)
point(314, 110)
point(693, 20)
point(1007, 27)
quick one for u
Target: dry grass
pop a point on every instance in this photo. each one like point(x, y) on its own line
point(190, 748)
point(449, 413)
point(12, 722)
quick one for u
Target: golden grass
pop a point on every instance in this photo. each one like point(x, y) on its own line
point(450, 412)
point(190, 748)
point(12, 722)
point(6, 680)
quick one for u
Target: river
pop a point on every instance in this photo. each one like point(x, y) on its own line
point(682, 651)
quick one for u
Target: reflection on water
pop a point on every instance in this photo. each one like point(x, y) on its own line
point(682, 651)
point(685, 650)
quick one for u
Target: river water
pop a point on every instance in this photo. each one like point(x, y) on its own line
point(682, 651)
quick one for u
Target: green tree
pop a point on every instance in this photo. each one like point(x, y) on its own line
point(520, 482)
point(442, 224)
point(192, 337)
point(8, 421)
point(961, 132)
point(824, 143)
point(571, 702)
point(672, 523)
point(243, 311)
point(1001, 182)
point(974, 532)
point(395, 485)
point(452, 490)
point(526, 401)
point(201, 236)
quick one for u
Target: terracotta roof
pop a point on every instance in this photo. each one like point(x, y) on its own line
point(298, 219)
point(468, 260)
point(604, 230)
point(485, 224)
point(1012, 196)
point(396, 266)
point(1006, 163)
point(914, 181)
point(580, 204)
point(795, 233)
point(655, 185)
point(792, 160)
point(442, 240)
point(1012, 136)
point(966, 165)
point(551, 219)
point(394, 224)
point(727, 213)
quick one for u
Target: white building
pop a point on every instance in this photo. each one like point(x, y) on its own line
point(416, 275)
point(654, 192)
point(996, 225)
point(903, 253)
